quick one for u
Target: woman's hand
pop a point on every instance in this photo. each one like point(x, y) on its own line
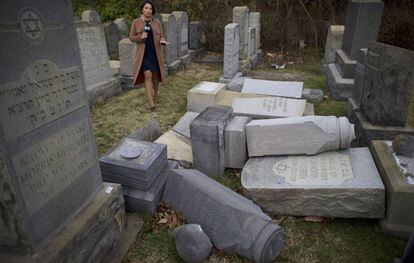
point(144, 35)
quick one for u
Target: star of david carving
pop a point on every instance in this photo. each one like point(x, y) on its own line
point(32, 25)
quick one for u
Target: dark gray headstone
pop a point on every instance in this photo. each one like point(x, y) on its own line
point(403, 145)
point(191, 243)
point(48, 159)
point(194, 35)
point(112, 37)
point(359, 75)
point(182, 32)
point(207, 139)
point(233, 223)
point(388, 84)
point(123, 26)
point(169, 25)
point(363, 20)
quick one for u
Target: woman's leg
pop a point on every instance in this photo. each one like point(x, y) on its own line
point(155, 87)
point(149, 87)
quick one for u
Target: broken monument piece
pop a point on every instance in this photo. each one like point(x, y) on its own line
point(342, 184)
point(233, 223)
point(235, 148)
point(298, 135)
point(192, 243)
point(207, 139)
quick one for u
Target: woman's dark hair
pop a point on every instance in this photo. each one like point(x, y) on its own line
point(141, 6)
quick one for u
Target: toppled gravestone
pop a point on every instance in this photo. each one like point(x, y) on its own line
point(192, 243)
point(233, 223)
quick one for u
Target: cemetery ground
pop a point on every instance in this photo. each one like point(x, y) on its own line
point(307, 239)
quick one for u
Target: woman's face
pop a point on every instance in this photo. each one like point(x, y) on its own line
point(147, 10)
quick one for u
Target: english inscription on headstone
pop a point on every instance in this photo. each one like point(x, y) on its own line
point(47, 156)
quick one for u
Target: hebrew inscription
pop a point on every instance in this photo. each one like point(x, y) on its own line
point(323, 169)
point(43, 94)
point(48, 167)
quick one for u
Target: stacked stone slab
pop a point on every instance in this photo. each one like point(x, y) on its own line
point(169, 25)
point(207, 139)
point(231, 52)
point(100, 84)
point(126, 59)
point(52, 191)
point(290, 89)
point(362, 25)
point(235, 149)
point(112, 37)
point(123, 27)
point(386, 94)
point(343, 184)
point(254, 22)
point(195, 35)
point(203, 95)
point(182, 36)
point(142, 173)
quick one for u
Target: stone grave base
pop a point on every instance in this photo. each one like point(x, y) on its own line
point(345, 64)
point(185, 60)
point(196, 53)
point(399, 217)
point(103, 90)
point(173, 67)
point(255, 59)
point(89, 236)
point(339, 87)
point(366, 132)
point(223, 79)
point(115, 67)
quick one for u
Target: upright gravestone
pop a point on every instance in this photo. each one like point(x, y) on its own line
point(112, 37)
point(355, 99)
point(95, 62)
point(241, 17)
point(52, 192)
point(231, 52)
point(386, 95)
point(92, 17)
point(123, 27)
point(254, 21)
point(194, 35)
point(251, 46)
point(362, 25)
point(169, 25)
point(182, 36)
point(333, 42)
point(126, 60)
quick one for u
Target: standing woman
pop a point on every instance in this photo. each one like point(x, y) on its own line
point(147, 32)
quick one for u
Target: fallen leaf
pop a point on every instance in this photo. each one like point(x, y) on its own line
point(162, 221)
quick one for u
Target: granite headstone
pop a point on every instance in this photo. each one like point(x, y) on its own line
point(235, 148)
point(112, 37)
point(231, 51)
point(169, 25)
point(241, 17)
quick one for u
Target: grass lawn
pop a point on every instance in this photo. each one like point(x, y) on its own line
point(332, 240)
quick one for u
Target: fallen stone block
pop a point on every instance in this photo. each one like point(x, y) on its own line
point(192, 243)
point(235, 142)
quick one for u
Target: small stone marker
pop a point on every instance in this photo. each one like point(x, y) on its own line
point(183, 125)
point(235, 149)
point(139, 172)
point(139, 201)
point(112, 37)
point(92, 17)
point(291, 89)
point(241, 17)
point(127, 51)
point(203, 95)
point(207, 139)
point(333, 184)
point(178, 146)
point(333, 42)
point(312, 95)
point(123, 26)
point(233, 223)
point(231, 52)
point(269, 107)
point(195, 34)
point(298, 135)
point(192, 243)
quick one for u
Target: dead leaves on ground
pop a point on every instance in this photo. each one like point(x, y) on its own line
point(166, 218)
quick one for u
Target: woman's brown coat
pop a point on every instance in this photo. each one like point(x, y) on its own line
point(137, 28)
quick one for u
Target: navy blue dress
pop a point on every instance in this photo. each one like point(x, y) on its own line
point(150, 61)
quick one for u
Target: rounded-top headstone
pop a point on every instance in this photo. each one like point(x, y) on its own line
point(192, 243)
point(122, 25)
point(92, 17)
point(404, 145)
